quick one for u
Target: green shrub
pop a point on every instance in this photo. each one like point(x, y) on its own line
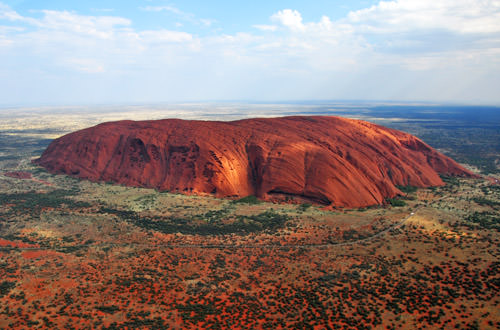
point(486, 220)
point(108, 309)
point(407, 189)
point(215, 226)
point(304, 206)
point(5, 287)
point(485, 202)
point(450, 180)
point(396, 202)
point(247, 200)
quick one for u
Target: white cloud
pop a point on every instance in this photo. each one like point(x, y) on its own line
point(163, 8)
point(7, 13)
point(377, 52)
point(7, 33)
point(62, 42)
point(461, 16)
point(102, 10)
point(207, 22)
point(98, 26)
point(289, 18)
point(5, 42)
point(415, 35)
point(162, 36)
point(189, 17)
point(426, 35)
point(85, 65)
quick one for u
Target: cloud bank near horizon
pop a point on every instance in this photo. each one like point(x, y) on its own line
point(403, 50)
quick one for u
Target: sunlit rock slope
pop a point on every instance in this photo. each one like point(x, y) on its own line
point(326, 160)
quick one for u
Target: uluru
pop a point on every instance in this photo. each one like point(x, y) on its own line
point(325, 160)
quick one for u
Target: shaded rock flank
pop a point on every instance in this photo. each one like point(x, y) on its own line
point(326, 160)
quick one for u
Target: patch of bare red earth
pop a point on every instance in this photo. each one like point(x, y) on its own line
point(16, 244)
point(19, 175)
point(25, 176)
point(493, 180)
point(326, 160)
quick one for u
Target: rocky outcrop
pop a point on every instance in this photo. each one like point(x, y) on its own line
point(326, 160)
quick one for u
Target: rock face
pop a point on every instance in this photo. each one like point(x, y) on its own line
point(325, 160)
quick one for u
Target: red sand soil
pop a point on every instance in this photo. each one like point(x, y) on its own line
point(493, 181)
point(321, 159)
point(34, 254)
point(6, 243)
point(25, 176)
point(19, 175)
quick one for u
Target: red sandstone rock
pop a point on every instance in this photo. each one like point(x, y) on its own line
point(326, 160)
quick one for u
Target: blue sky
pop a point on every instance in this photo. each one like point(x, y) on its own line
point(229, 16)
point(148, 51)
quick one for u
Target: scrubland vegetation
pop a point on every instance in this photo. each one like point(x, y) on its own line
point(87, 255)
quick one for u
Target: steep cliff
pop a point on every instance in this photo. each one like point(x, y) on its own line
point(326, 160)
